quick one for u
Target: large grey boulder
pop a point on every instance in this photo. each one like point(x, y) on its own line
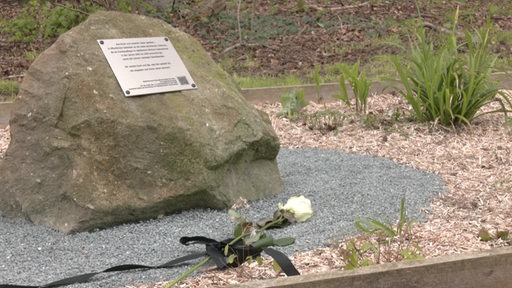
point(84, 156)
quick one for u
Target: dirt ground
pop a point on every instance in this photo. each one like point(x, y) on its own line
point(283, 37)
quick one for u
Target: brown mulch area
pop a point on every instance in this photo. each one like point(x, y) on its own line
point(474, 162)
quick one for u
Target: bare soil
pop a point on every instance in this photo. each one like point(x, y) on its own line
point(284, 37)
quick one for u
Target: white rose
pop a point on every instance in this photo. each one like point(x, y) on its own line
point(300, 207)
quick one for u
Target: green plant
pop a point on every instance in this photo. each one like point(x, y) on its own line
point(252, 235)
point(446, 87)
point(374, 226)
point(25, 25)
point(372, 121)
point(353, 255)
point(485, 235)
point(382, 243)
point(31, 55)
point(292, 103)
point(299, 6)
point(508, 126)
point(8, 90)
point(244, 231)
point(324, 120)
point(45, 19)
point(318, 81)
point(60, 19)
point(360, 86)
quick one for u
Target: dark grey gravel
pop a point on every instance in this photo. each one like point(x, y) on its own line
point(340, 186)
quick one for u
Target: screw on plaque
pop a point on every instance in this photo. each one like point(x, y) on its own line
point(102, 42)
point(127, 92)
point(193, 85)
point(166, 39)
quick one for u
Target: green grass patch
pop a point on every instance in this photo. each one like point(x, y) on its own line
point(41, 20)
point(8, 90)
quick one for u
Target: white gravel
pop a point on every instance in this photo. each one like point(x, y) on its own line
point(340, 186)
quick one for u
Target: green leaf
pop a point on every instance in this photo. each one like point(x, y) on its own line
point(410, 254)
point(360, 86)
point(354, 260)
point(316, 76)
point(263, 242)
point(259, 260)
point(226, 250)
point(351, 256)
point(239, 230)
point(374, 226)
point(503, 235)
point(484, 235)
point(276, 266)
point(231, 258)
point(286, 241)
point(253, 238)
point(343, 94)
point(384, 228)
point(366, 262)
point(292, 102)
point(363, 227)
point(235, 216)
point(368, 246)
point(403, 217)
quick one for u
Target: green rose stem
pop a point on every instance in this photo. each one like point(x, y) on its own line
point(190, 271)
point(205, 260)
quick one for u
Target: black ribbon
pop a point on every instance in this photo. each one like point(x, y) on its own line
point(214, 249)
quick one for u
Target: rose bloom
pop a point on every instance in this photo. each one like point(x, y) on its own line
point(299, 206)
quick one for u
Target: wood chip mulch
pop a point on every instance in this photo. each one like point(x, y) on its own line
point(474, 162)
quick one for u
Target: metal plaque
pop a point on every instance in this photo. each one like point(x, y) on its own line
point(146, 65)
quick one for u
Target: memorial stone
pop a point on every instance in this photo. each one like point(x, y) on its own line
point(84, 156)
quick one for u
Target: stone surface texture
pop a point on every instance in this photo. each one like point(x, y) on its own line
point(84, 156)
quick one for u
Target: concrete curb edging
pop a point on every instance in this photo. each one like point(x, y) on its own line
point(271, 94)
point(490, 268)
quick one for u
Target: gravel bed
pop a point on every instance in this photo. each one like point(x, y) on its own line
point(340, 186)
